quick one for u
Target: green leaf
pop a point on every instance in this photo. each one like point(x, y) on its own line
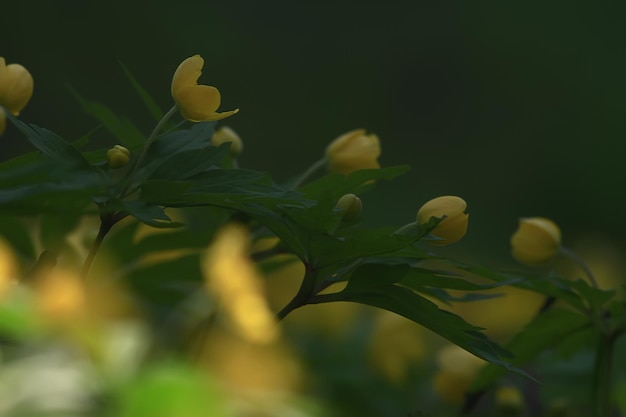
point(548, 330)
point(121, 128)
point(150, 214)
point(148, 101)
point(551, 286)
point(596, 297)
point(367, 287)
point(182, 165)
point(51, 144)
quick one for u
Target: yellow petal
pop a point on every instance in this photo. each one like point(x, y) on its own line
point(187, 73)
point(197, 102)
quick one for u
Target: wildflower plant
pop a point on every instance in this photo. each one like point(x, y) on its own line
point(154, 234)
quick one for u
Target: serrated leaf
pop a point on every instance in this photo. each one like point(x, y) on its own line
point(547, 330)
point(408, 304)
point(51, 145)
point(185, 164)
point(150, 214)
point(596, 297)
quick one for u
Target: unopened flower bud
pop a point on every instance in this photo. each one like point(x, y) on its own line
point(118, 157)
point(454, 226)
point(226, 134)
point(351, 205)
point(353, 151)
point(509, 401)
point(16, 87)
point(535, 241)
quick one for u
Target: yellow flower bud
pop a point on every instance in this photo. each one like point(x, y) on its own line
point(197, 103)
point(353, 151)
point(454, 226)
point(16, 87)
point(226, 134)
point(509, 401)
point(118, 157)
point(536, 241)
point(351, 205)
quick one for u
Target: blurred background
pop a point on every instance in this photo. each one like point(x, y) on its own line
point(516, 107)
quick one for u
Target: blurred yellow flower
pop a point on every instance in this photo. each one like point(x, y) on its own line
point(454, 226)
point(509, 400)
point(197, 103)
point(535, 241)
point(232, 278)
point(396, 343)
point(353, 151)
point(226, 134)
point(118, 157)
point(457, 369)
point(16, 88)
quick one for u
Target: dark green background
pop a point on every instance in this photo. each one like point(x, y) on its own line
point(518, 107)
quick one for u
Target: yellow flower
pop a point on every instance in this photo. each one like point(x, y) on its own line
point(535, 241)
point(197, 103)
point(509, 401)
point(118, 157)
point(226, 134)
point(457, 370)
point(353, 151)
point(16, 87)
point(351, 205)
point(454, 226)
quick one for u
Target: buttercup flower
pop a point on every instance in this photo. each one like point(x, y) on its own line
point(353, 151)
point(118, 157)
point(535, 241)
point(454, 226)
point(351, 205)
point(197, 103)
point(226, 134)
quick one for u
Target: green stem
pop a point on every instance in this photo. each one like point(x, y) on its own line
point(144, 151)
point(305, 293)
point(310, 171)
point(106, 223)
point(583, 265)
point(602, 375)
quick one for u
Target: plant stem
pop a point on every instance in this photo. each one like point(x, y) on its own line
point(144, 151)
point(310, 171)
point(106, 223)
point(304, 294)
point(602, 375)
point(583, 265)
